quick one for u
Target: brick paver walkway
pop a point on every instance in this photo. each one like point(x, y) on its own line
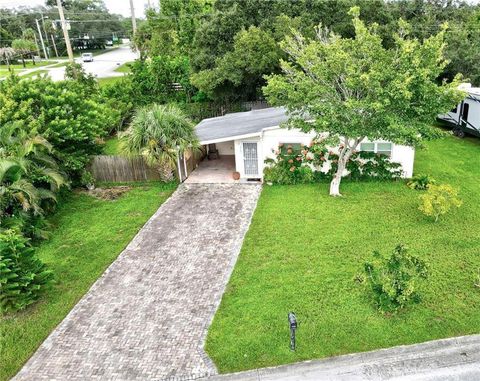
point(146, 318)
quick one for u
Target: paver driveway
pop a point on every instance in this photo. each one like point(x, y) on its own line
point(146, 318)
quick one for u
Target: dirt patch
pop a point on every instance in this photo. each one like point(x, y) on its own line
point(108, 194)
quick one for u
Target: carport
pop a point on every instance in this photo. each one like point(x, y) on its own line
point(214, 171)
point(233, 143)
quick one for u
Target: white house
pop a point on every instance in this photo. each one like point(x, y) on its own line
point(245, 139)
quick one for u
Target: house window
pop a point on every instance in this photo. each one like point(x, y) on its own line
point(454, 110)
point(296, 147)
point(367, 147)
point(381, 148)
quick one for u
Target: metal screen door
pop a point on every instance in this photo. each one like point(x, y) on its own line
point(250, 159)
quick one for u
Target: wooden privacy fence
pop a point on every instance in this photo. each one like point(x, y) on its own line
point(118, 169)
point(105, 168)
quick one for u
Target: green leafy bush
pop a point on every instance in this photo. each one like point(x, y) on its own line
point(162, 79)
point(23, 277)
point(120, 95)
point(393, 279)
point(439, 200)
point(70, 115)
point(420, 182)
point(370, 165)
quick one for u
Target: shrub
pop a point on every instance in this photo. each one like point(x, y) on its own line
point(23, 277)
point(393, 279)
point(288, 167)
point(439, 200)
point(306, 164)
point(370, 165)
point(162, 79)
point(420, 182)
point(120, 95)
point(69, 114)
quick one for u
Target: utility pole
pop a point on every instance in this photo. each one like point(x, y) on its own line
point(65, 31)
point(54, 45)
point(45, 30)
point(41, 39)
point(134, 21)
point(36, 43)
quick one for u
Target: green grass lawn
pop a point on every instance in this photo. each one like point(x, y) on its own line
point(35, 73)
point(60, 64)
point(88, 234)
point(112, 146)
point(108, 80)
point(304, 248)
point(18, 68)
point(125, 68)
point(28, 65)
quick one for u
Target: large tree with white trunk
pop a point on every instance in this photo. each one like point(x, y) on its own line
point(356, 88)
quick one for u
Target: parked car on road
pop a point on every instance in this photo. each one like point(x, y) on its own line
point(87, 57)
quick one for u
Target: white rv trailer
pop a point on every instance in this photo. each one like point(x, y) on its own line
point(465, 117)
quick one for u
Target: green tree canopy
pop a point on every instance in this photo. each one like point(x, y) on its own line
point(207, 31)
point(255, 53)
point(24, 48)
point(355, 88)
point(70, 115)
point(463, 51)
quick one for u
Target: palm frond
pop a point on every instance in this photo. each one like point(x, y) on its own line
point(9, 170)
point(56, 178)
point(158, 133)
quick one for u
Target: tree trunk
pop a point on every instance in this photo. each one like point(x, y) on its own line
point(346, 152)
point(23, 62)
point(337, 178)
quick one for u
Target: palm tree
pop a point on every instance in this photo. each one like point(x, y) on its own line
point(6, 54)
point(159, 134)
point(28, 174)
point(16, 190)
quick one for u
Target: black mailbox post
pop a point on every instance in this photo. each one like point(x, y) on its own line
point(292, 321)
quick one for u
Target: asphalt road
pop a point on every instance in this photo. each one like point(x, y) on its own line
point(103, 65)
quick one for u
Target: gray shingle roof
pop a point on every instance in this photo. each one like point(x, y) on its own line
point(239, 123)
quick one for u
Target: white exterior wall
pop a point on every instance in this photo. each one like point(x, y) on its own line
point(270, 139)
point(226, 148)
point(405, 156)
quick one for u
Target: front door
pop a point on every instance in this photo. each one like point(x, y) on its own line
point(250, 159)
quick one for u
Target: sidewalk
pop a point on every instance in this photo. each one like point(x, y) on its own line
point(449, 359)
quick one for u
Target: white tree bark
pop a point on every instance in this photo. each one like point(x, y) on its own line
point(343, 157)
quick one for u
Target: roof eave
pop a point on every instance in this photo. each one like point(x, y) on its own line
point(229, 138)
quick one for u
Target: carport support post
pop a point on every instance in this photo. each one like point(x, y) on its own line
point(185, 165)
point(179, 171)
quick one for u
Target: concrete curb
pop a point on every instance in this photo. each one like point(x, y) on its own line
point(456, 358)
